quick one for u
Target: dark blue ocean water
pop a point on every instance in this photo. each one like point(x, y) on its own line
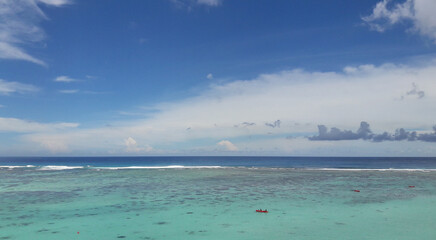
point(285, 162)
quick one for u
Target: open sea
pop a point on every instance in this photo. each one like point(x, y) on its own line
point(216, 197)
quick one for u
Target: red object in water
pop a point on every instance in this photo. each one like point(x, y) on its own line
point(78, 232)
point(263, 211)
point(411, 186)
point(356, 190)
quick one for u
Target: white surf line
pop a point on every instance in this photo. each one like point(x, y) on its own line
point(157, 167)
point(54, 168)
point(27, 166)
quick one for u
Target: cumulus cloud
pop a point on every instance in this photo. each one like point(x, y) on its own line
point(132, 146)
point(274, 124)
point(382, 17)
point(227, 145)
point(402, 134)
point(19, 26)
point(335, 134)
point(419, 12)
point(416, 92)
point(7, 87)
point(55, 144)
point(65, 79)
point(428, 137)
point(399, 135)
point(364, 133)
point(245, 124)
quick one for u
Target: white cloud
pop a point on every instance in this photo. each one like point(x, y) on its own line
point(209, 76)
point(7, 88)
point(56, 3)
point(19, 25)
point(299, 99)
point(55, 144)
point(69, 91)
point(42, 136)
point(419, 12)
point(189, 4)
point(415, 92)
point(212, 3)
point(132, 146)
point(25, 126)
point(227, 145)
point(65, 79)
point(9, 51)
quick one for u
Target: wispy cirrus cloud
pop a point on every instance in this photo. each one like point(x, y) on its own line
point(56, 3)
point(189, 4)
point(212, 3)
point(55, 143)
point(419, 12)
point(65, 79)
point(26, 126)
point(20, 26)
point(69, 91)
point(7, 87)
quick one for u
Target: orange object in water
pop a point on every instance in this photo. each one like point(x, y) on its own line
point(262, 211)
point(356, 190)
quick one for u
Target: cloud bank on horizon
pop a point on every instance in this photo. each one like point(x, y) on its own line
point(365, 133)
point(275, 113)
point(271, 106)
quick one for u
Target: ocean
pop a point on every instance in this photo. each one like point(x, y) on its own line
point(217, 198)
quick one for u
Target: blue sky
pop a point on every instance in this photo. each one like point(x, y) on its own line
point(217, 77)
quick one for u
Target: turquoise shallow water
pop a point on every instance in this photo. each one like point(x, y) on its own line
point(216, 204)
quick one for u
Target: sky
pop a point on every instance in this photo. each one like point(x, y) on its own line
point(218, 78)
